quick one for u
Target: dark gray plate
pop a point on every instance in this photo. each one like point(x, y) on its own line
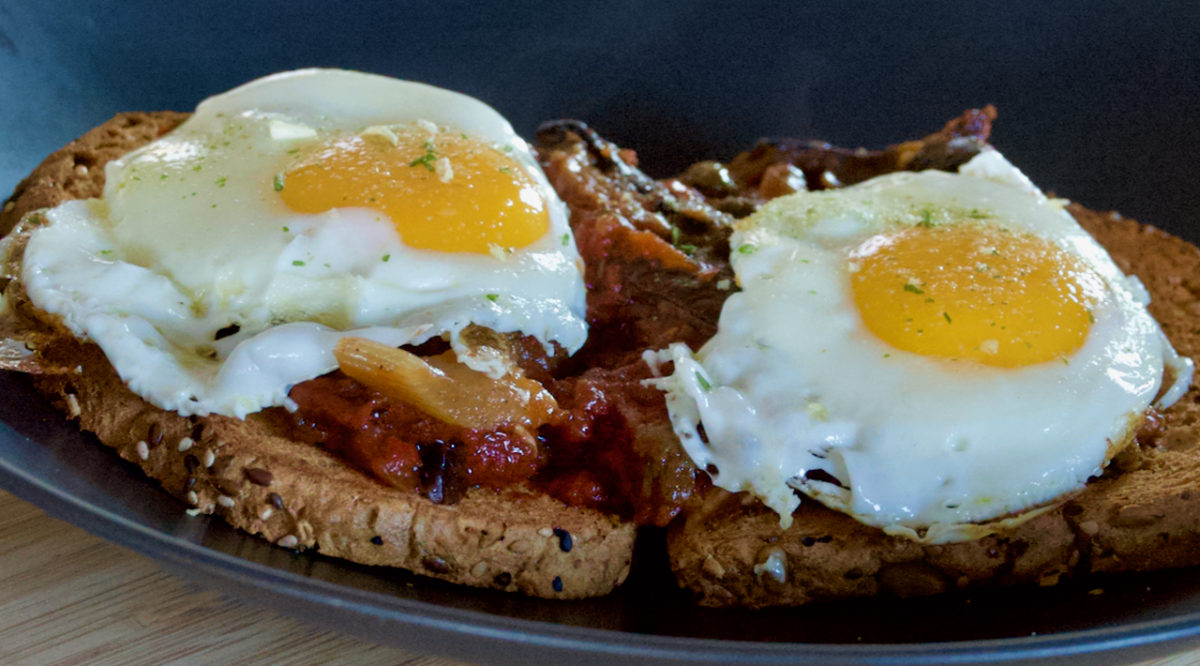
point(1094, 103)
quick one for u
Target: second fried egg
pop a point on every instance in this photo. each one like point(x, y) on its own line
point(923, 351)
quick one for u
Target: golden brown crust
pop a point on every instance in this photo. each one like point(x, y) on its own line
point(1144, 513)
point(293, 494)
point(76, 171)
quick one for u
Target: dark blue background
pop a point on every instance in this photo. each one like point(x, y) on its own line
point(1097, 100)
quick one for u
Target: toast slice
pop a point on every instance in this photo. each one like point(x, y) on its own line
point(251, 475)
point(1143, 513)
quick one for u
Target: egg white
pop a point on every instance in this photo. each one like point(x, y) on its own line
point(191, 237)
point(793, 382)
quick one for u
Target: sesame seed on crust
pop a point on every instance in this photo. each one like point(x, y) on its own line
point(185, 443)
point(73, 410)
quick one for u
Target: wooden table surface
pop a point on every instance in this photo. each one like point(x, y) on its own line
point(67, 597)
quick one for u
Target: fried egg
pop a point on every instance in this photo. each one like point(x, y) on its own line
point(924, 352)
point(226, 258)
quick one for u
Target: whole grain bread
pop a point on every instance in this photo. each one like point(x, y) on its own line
point(251, 475)
point(1143, 513)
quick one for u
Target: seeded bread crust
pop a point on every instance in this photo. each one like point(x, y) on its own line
point(293, 494)
point(76, 171)
point(1142, 514)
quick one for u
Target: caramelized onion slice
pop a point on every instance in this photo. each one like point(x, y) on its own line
point(444, 388)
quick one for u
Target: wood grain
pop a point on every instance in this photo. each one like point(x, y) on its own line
point(67, 597)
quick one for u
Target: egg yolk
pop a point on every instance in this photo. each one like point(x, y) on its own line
point(998, 298)
point(443, 191)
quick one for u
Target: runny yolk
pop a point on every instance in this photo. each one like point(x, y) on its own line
point(964, 292)
point(443, 191)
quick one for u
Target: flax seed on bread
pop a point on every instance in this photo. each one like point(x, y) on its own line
point(1143, 513)
point(293, 494)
